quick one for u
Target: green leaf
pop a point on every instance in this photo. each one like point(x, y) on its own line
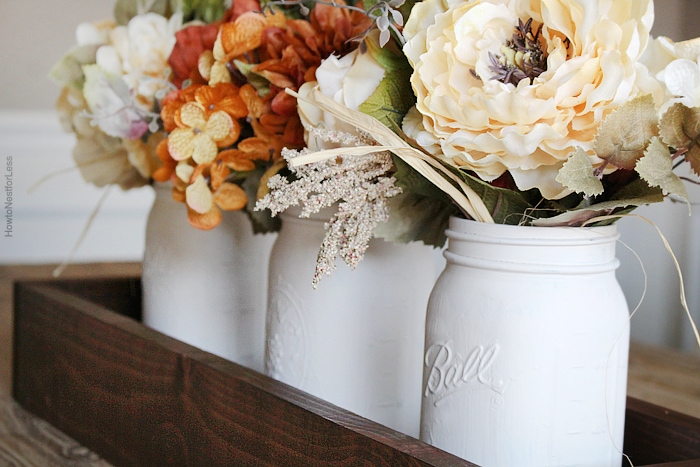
point(631, 196)
point(69, 70)
point(506, 206)
point(680, 129)
point(420, 213)
point(656, 168)
point(390, 101)
point(577, 175)
point(124, 10)
point(413, 217)
point(259, 82)
point(579, 217)
point(638, 189)
point(625, 133)
point(203, 10)
point(412, 181)
point(406, 8)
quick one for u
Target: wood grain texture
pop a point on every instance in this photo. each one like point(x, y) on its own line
point(27, 441)
point(693, 463)
point(171, 400)
point(678, 434)
point(140, 398)
point(11, 273)
point(665, 377)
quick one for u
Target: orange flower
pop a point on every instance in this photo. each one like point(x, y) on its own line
point(205, 121)
point(222, 97)
point(335, 27)
point(192, 41)
point(286, 131)
point(199, 135)
point(173, 102)
point(167, 169)
point(242, 159)
point(208, 193)
point(234, 40)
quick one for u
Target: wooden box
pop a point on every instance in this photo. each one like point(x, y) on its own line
point(83, 362)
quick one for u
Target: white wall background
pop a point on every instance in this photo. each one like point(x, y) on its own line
point(47, 222)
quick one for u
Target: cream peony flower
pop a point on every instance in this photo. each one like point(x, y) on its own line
point(487, 105)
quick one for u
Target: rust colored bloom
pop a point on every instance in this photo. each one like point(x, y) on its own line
point(295, 51)
point(336, 27)
point(236, 117)
point(190, 43)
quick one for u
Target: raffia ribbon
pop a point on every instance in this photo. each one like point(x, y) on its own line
point(467, 199)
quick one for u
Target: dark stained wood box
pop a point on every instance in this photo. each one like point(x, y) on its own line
point(83, 362)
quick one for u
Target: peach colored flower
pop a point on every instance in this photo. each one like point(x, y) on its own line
point(205, 199)
point(173, 102)
point(235, 39)
point(199, 137)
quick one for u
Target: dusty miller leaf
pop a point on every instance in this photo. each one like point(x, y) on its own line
point(656, 168)
point(577, 175)
point(680, 128)
point(578, 217)
point(631, 196)
point(624, 134)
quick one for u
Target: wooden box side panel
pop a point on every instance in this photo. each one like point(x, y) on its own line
point(120, 295)
point(654, 434)
point(141, 399)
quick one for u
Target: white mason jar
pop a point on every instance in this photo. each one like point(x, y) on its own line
point(357, 340)
point(527, 339)
point(206, 288)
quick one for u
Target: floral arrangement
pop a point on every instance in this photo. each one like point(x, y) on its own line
point(544, 113)
point(401, 113)
point(192, 92)
point(108, 96)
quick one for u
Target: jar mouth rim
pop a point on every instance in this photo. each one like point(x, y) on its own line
point(469, 230)
point(530, 267)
